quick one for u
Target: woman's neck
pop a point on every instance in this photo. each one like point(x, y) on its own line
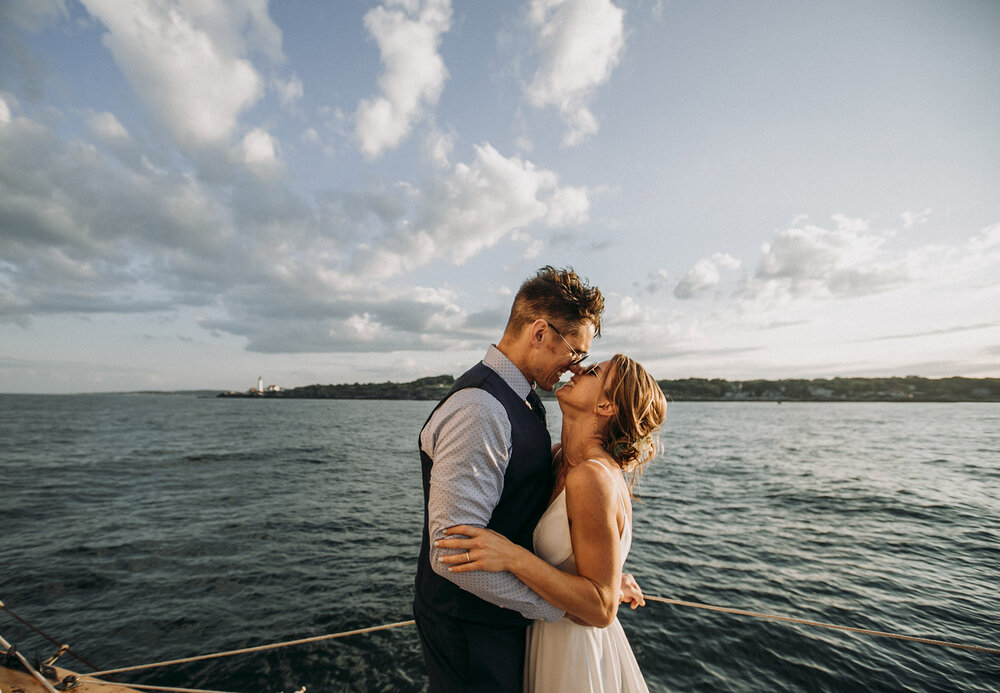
point(581, 439)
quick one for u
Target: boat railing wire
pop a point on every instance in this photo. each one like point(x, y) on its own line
point(94, 677)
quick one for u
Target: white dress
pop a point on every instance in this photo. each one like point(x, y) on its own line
point(565, 656)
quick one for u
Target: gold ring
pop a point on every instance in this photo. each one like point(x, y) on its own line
point(468, 558)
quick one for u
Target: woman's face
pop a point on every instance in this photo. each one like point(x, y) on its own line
point(583, 392)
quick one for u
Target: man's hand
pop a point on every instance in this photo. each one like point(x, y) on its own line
point(631, 593)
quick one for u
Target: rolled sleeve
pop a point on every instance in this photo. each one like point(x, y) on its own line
point(469, 439)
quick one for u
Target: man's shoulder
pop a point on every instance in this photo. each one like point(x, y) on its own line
point(471, 396)
point(467, 412)
point(467, 404)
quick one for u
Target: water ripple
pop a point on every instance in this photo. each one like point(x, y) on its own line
point(144, 528)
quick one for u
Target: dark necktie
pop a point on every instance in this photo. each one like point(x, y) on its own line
point(536, 405)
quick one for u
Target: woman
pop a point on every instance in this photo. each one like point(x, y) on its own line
point(611, 413)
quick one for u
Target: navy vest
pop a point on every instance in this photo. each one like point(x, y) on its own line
point(526, 489)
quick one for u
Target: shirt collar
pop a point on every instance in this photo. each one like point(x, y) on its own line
point(506, 369)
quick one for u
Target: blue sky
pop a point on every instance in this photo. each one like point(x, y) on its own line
point(197, 192)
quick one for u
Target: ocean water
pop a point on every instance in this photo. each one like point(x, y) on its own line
point(139, 528)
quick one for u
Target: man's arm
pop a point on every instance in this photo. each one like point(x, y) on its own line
point(469, 440)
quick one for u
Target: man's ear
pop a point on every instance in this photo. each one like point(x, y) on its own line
point(537, 332)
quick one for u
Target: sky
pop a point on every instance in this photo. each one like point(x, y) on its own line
point(195, 193)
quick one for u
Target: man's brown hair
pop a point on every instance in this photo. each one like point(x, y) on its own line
point(558, 296)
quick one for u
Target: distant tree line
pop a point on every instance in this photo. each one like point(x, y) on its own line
point(432, 388)
point(908, 389)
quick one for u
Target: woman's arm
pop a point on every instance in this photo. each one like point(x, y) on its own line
point(593, 505)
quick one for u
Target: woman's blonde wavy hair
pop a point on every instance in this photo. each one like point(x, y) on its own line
point(640, 409)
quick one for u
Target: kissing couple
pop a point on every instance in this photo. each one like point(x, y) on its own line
point(520, 571)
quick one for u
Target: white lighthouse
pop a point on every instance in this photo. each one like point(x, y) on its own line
point(260, 384)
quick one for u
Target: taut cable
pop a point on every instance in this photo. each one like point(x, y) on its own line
point(818, 624)
point(46, 636)
point(98, 682)
point(259, 648)
point(662, 600)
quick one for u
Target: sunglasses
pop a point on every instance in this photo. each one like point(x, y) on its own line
point(577, 356)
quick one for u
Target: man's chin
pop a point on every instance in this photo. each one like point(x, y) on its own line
point(549, 385)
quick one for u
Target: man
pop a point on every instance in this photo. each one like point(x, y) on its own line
point(486, 458)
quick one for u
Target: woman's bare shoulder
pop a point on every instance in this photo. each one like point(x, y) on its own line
point(590, 478)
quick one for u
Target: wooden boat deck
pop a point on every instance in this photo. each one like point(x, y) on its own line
point(15, 681)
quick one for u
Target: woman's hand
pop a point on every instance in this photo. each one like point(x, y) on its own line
point(483, 550)
point(631, 593)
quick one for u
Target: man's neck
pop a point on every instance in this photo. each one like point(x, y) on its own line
point(516, 356)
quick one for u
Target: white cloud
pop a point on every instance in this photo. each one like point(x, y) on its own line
point(848, 260)
point(187, 61)
point(4, 111)
point(630, 314)
point(293, 275)
point(848, 224)
point(408, 33)
point(260, 151)
point(654, 283)
point(471, 210)
point(704, 275)
point(106, 127)
point(580, 42)
point(805, 265)
point(289, 90)
point(437, 148)
point(568, 205)
point(987, 240)
point(129, 244)
point(911, 219)
point(363, 327)
point(532, 248)
point(482, 202)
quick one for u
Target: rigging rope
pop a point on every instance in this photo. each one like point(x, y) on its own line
point(259, 648)
point(46, 636)
point(87, 679)
point(387, 626)
point(674, 602)
point(818, 624)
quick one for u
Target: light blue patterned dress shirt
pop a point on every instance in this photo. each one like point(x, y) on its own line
point(469, 439)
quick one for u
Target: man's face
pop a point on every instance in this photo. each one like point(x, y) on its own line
point(561, 350)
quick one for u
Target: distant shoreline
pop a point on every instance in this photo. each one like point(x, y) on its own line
point(895, 389)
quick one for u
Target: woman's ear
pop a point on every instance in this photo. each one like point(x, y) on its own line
point(605, 407)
